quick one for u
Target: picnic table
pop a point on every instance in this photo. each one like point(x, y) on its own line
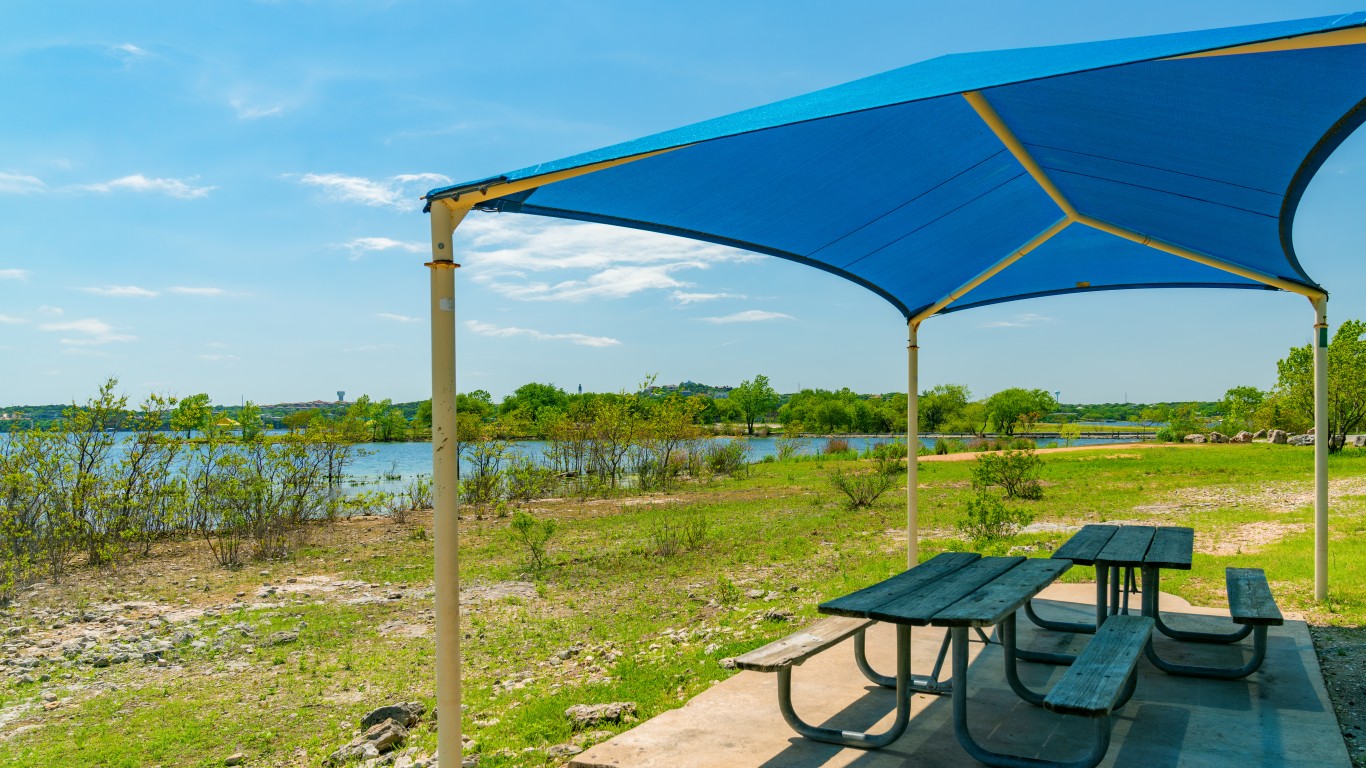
point(1117, 551)
point(959, 591)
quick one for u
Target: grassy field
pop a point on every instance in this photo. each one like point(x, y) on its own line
point(640, 600)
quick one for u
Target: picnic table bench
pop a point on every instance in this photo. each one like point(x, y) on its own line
point(961, 590)
point(1117, 551)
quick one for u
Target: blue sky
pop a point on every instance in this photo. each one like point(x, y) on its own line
point(223, 197)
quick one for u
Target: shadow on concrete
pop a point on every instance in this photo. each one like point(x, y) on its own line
point(1277, 717)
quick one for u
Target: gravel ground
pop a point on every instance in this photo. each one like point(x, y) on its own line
point(1342, 655)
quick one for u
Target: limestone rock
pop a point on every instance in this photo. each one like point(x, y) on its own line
point(1259, 435)
point(1301, 440)
point(1242, 437)
point(1217, 437)
point(405, 713)
point(1278, 436)
point(588, 715)
point(563, 750)
point(236, 758)
point(386, 735)
point(282, 638)
point(1195, 438)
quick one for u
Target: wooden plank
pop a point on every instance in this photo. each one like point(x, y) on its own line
point(917, 608)
point(858, 604)
point(1093, 683)
point(1085, 544)
point(1171, 548)
point(1002, 596)
point(1249, 597)
point(798, 646)
point(1128, 546)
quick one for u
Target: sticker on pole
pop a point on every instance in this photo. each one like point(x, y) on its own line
point(1323, 337)
point(447, 305)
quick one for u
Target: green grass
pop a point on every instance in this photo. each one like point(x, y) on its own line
point(782, 530)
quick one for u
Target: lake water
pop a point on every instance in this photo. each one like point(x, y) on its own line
point(411, 460)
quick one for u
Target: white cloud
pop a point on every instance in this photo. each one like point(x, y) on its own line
point(613, 283)
point(534, 245)
point(402, 191)
point(129, 52)
point(749, 316)
point(693, 298)
point(218, 358)
point(13, 274)
point(11, 320)
point(122, 291)
point(489, 329)
point(506, 253)
point(247, 111)
point(363, 245)
point(185, 290)
point(92, 332)
point(19, 184)
point(1026, 320)
point(139, 183)
point(49, 310)
point(397, 318)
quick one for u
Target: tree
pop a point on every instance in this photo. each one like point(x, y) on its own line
point(1346, 381)
point(249, 420)
point(1016, 407)
point(755, 399)
point(192, 413)
point(529, 401)
point(1239, 406)
point(942, 404)
point(299, 420)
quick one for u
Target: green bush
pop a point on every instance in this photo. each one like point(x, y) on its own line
point(533, 534)
point(988, 518)
point(864, 488)
point(676, 531)
point(1016, 472)
point(527, 479)
point(727, 457)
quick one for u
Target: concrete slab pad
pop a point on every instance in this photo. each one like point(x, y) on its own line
point(1280, 716)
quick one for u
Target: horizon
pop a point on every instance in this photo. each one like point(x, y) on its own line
point(224, 199)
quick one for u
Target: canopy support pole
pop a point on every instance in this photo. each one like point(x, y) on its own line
point(912, 443)
point(1321, 442)
point(445, 479)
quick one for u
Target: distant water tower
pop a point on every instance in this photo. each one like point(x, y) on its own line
point(341, 396)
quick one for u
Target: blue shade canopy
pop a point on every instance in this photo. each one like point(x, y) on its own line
point(1083, 157)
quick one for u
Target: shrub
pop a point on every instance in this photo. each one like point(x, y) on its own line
point(419, 492)
point(790, 443)
point(864, 488)
point(894, 450)
point(527, 479)
point(727, 457)
point(672, 532)
point(989, 518)
point(1016, 472)
point(533, 534)
point(836, 445)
